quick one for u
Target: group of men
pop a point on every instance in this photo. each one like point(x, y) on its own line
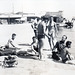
point(60, 50)
point(40, 27)
point(47, 27)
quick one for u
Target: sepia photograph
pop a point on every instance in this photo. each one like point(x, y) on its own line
point(37, 37)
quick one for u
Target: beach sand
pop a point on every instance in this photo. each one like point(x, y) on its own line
point(31, 65)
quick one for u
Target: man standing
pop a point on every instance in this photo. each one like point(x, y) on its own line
point(40, 36)
point(50, 34)
point(34, 25)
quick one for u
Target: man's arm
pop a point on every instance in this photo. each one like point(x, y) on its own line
point(12, 44)
point(32, 47)
point(55, 46)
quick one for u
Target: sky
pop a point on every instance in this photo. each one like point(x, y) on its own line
point(39, 6)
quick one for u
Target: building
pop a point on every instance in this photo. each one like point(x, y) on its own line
point(58, 16)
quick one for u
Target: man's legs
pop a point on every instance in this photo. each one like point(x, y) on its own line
point(40, 45)
point(51, 43)
point(63, 56)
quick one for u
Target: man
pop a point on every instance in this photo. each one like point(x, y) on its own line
point(34, 45)
point(50, 34)
point(64, 54)
point(11, 42)
point(40, 36)
point(67, 55)
point(60, 46)
point(34, 25)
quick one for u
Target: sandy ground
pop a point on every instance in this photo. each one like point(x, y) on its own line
point(31, 65)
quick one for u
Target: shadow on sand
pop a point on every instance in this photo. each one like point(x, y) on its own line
point(30, 56)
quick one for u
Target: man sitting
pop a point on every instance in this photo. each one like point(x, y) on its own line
point(63, 54)
point(11, 43)
point(34, 45)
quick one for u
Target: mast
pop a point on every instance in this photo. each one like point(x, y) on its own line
point(12, 6)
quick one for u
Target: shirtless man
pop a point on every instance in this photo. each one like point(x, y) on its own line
point(40, 36)
point(34, 45)
point(51, 33)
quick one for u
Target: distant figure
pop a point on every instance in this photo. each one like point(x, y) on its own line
point(69, 24)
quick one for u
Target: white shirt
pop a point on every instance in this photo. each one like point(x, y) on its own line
point(12, 43)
